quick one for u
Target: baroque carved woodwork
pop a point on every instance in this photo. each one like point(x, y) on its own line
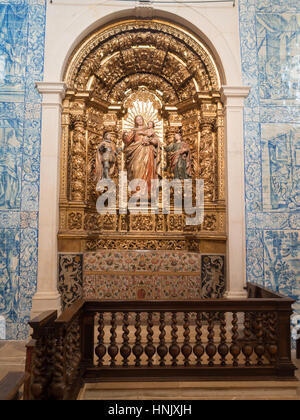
point(116, 72)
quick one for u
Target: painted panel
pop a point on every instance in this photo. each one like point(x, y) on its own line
point(281, 167)
point(22, 30)
point(270, 51)
point(153, 275)
point(278, 37)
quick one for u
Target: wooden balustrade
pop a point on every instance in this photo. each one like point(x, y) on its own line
point(95, 341)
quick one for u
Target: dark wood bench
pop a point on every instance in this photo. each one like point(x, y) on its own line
point(10, 386)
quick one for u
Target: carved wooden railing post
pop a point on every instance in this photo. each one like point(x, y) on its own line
point(87, 339)
point(271, 336)
point(186, 348)
point(174, 349)
point(211, 349)
point(285, 366)
point(113, 348)
point(162, 349)
point(138, 348)
point(223, 347)
point(235, 348)
point(125, 349)
point(199, 348)
point(37, 387)
point(58, 385)
point(260, 347)
point(150, 349)
point(247, 346)
point(100, 349)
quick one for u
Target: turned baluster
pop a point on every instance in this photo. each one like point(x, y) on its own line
point(259, 348)
point(73, 362)
point(186, 348)
point(50, 356)
point(247, 347)
point(150, 349)
point(235, 348)
point(162, 349)
point(272, 338)
point(125, 349)
point(211, 349)
point(58, 386)
point(113, 349)
point(77, 341)
point(198, 348)
point(138, 348)
point(101, 348)
point(39, 374)
point(223, 348)
point(174, 349)
point(70, 353)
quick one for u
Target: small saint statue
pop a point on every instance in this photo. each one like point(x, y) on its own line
point(179, 158)
point(106, 158)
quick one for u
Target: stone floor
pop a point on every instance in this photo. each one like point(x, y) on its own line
point(12, 358)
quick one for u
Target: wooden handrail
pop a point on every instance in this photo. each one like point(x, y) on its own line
point(254, 332)
point(69, 314)
point(43, 319)
point(260, 292)
point(205, 305)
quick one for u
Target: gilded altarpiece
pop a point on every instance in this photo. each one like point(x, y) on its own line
point(168, 76)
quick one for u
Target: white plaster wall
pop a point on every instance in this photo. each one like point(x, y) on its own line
point(69, 22)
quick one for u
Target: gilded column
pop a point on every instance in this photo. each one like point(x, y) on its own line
point(207, 160)
point(78, 176)
point(221, 152)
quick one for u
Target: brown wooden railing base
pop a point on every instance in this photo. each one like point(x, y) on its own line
point(186, 374)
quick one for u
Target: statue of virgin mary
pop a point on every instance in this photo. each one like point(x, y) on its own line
point(142, 152)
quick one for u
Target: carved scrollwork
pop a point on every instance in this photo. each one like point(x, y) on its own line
point(91, 222)
point(136, 244)
point(210, 222)
point(75, 221)
point(142, 223)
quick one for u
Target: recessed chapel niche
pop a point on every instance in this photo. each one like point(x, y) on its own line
point(165, 74)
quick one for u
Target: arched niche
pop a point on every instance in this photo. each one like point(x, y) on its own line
point(58, 129)
point(141, 59)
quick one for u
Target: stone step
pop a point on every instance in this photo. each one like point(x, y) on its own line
point(220, 390)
